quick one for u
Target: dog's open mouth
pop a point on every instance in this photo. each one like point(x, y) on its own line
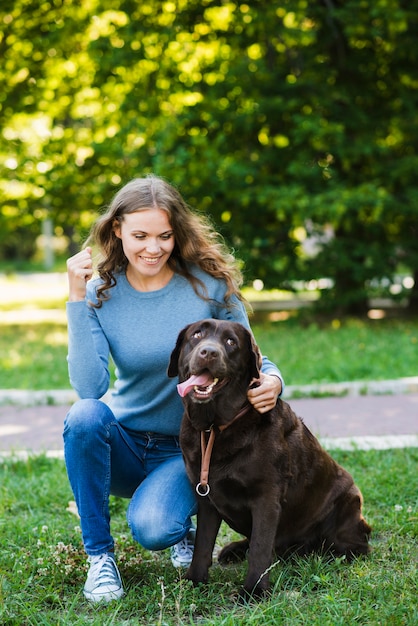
point(203, 385)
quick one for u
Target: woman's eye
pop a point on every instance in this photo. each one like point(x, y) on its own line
point(230, 341)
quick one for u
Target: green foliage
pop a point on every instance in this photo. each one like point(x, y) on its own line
point(282, 122)
point(43, 566)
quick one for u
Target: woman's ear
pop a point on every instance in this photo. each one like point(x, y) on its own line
point(116, 227)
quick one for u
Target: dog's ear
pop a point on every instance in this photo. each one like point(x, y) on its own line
point(255, 357)
point(173, 366)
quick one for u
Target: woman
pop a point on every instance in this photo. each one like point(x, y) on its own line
point(162, 267)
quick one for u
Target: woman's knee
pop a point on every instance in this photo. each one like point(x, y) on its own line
point(85, 416)
point(156, 530)
point(159, 514)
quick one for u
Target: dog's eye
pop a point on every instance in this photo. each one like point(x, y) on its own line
point(230, 342)
point(197, 334)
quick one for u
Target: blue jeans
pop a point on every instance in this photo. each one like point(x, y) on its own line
point(103, 458)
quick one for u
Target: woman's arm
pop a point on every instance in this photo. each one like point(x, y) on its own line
point(88, 349)
point(88, 352)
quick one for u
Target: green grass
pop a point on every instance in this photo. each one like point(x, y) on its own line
point(340, 351)
point(308, 350)
point(42, 563)
point(33, 356)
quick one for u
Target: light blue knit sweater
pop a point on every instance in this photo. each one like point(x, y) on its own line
point(138, 330)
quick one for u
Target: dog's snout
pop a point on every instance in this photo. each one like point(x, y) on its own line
point(208, 352)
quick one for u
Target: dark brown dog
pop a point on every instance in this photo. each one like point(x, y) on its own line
point(268, 476)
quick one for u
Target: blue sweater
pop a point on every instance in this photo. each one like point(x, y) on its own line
point(138, 330)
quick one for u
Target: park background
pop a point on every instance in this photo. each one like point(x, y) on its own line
point(293, 125)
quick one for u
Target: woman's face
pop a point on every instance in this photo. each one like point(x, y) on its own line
point(147, 241)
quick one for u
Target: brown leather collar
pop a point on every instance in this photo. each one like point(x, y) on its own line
point(203, 488)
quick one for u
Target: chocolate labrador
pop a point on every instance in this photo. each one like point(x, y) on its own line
point(266, 475)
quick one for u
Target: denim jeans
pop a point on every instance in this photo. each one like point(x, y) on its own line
point(103, 458)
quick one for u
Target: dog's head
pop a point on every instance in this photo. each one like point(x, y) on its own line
point(211, 355)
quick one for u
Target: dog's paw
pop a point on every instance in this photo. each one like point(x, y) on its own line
point(234, 552)
point(247, 596)
point(197, 578)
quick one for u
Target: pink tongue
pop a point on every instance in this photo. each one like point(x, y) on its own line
point(202, 380)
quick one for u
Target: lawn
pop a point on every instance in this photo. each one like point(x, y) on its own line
point(33, 341)
point(42, 564)
point(33, 355)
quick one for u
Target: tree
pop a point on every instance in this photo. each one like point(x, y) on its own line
point(281, 122)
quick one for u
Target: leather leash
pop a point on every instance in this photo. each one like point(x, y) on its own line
point(203, 488)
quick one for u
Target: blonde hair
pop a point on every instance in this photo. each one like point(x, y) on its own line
point(196, 241)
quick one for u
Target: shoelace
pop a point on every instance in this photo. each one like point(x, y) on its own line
point(184, 546)
point(103, 570)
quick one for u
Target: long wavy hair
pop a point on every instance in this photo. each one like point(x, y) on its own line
point(196, 240)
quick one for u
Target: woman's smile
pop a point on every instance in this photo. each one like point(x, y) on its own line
point(147, 241)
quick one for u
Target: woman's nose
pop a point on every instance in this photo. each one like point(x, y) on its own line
point(153, 246)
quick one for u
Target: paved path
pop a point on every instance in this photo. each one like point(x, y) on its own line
point(378, 420)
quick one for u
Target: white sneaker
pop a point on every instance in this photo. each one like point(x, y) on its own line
point(103, 582)
point(182, 553)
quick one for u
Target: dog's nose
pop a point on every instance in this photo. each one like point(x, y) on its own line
point(208, 353)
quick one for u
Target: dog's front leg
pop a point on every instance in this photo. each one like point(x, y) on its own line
point(264, 524)
point(208, 523)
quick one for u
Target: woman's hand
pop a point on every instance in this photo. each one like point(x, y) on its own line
point(264, 397)
point(79, 271)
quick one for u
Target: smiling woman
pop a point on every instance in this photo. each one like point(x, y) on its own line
point(162, 267)
point(147, 241)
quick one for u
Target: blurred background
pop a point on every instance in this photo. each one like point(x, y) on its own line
point(293, 124)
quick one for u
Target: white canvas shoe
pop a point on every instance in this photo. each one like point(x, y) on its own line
point(182, 553)
point(103, 582)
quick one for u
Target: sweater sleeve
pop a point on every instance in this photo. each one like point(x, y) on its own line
point(88, 351)
point(237, 313)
